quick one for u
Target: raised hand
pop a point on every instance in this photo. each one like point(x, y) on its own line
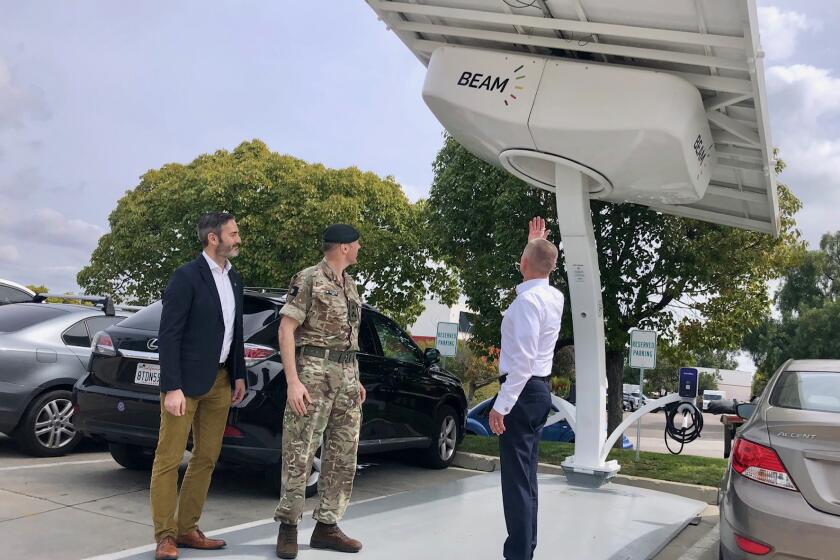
point(536, 229)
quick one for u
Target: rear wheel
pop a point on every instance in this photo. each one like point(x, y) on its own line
point(46, 430)
point(441, 452)
point(132, 457)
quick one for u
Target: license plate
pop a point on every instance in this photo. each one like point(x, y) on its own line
point(147, 374)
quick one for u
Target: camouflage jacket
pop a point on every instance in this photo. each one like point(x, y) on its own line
point(329, 313)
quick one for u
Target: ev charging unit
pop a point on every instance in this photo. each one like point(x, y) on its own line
point(646, 102)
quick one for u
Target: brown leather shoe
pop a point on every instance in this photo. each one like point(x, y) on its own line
point(332, 538)
point(287, 545)
point(166, 549)
point(197, 539)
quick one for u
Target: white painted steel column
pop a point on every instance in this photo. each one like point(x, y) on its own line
point(578, 241)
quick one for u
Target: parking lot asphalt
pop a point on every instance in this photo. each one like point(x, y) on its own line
point(84, 504)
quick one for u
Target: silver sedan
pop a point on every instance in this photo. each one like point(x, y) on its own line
point(44, 349)
point(780, 497)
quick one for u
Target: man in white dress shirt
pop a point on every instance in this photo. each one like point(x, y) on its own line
point(529, 332)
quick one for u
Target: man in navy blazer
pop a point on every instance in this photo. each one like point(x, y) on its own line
point(202, 372)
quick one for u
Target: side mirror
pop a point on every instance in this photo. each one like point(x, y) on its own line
point(745, 410)
point(431, 356)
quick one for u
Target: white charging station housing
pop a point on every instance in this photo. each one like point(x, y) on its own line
point(637, 135)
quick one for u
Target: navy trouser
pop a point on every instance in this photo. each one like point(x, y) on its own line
point(519, 454)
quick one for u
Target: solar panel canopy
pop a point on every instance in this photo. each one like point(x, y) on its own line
point(711, 44)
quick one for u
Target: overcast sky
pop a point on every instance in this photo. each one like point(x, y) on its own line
point(94, 94)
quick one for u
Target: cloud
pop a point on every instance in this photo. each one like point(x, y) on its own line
point(805, 106)
point(21, 185)
point(49, 227)
point(808, 93)
point(17, 102)
point(8, 254)
point(779, 31)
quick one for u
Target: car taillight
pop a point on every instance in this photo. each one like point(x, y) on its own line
point(750, 546)
point(102, 344)
point(233, 431)
point(760, 463)
point(255, 353)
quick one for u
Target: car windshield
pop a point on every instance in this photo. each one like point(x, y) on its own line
point(803, 390)
point(147, 319)
point(15, 317)
point(712, 397)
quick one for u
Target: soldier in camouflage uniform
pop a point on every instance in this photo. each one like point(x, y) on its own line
point(319, 338)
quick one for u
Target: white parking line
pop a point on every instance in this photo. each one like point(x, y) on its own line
point(46, 465)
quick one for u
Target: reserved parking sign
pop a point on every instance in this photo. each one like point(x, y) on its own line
point(642, 349)
point(446, 340)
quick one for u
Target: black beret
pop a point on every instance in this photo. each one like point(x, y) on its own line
point(340, 233)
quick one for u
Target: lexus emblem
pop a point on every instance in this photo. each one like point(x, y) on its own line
point(152, 344)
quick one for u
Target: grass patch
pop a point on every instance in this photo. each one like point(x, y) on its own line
point(484, 393)
point(706, 471)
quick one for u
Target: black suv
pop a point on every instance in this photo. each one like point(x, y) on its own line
point(411, 402)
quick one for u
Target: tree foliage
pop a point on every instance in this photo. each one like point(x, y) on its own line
point(282, 205)
point(703, 283)
point(808, 324)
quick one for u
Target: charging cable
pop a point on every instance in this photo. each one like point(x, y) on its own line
point(691, 424)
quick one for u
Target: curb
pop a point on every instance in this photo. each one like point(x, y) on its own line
point(707, 494)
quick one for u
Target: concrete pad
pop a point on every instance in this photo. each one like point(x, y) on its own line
point(18, 505)
point(65, 535)
point(463, 518)
point(75, 483)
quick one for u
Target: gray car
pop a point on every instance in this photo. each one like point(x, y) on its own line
point(44, 349)
point(12, 292)
point(780, 497)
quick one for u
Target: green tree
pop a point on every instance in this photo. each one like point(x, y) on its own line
point(39, 289)
point(810, 334)
point(815, 278)
point(282, 205)
point(808, 325)
point(650, 262)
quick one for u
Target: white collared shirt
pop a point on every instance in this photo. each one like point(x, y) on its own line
point(530, 328)
point(223, 286)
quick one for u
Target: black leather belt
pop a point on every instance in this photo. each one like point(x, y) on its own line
point(502, 379)
point(339, 356)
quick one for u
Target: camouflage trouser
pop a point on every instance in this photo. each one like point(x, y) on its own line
point(336, 414)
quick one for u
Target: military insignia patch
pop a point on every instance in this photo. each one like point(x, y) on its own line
point(293, 292)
